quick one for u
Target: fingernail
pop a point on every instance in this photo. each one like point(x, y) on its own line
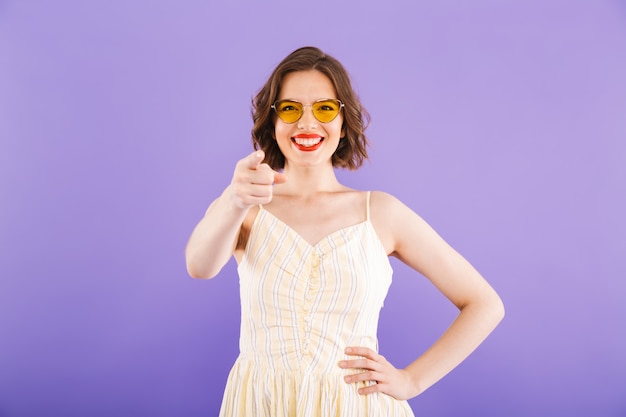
point(342, 363)
point(348, 350)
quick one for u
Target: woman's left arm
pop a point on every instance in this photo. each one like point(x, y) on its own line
point(409, 238)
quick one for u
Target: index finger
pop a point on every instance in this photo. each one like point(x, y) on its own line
point(255, 159)
point(361, 351)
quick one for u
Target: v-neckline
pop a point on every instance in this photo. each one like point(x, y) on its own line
point(323, 239)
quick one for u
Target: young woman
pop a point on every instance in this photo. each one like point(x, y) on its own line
point(313, 260)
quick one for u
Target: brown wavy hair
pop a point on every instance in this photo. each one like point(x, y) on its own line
point(351, 151)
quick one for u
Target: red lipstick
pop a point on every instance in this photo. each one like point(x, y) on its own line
point(307, 142)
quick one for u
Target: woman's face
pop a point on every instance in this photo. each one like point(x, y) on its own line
point(308, 142)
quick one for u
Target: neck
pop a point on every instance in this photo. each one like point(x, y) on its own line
point(306, 181)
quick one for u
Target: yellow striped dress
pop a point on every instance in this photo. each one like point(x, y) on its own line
point(301, 305)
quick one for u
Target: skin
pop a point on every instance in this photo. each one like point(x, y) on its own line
point(308, 197)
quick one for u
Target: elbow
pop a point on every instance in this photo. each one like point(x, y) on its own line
point(496, 309)
point(196, 275)
point(200, 273)
point(199, 266)
point(499, 310)
point(490, 307)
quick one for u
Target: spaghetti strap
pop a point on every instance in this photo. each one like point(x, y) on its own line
point(368, 205)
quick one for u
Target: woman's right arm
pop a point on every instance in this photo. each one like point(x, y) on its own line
point(214, 238)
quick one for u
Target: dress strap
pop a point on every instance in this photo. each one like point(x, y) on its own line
point(368, 205)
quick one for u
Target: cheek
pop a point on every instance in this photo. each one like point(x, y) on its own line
point(339, 129)
point(282, 134)
point(281, 131)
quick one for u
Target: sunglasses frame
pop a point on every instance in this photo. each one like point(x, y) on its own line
point(341, 106)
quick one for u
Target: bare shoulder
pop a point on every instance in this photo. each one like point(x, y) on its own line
point(382, 200)
point(399, 227)
point(389, 216)
point(387, 210)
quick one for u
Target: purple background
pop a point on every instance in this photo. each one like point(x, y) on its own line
point(502, 123)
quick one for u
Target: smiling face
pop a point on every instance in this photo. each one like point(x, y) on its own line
point(308, 142)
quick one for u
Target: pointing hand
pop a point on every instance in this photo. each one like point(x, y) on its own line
point(252, 181)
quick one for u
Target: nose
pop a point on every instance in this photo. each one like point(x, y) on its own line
point(307, 121)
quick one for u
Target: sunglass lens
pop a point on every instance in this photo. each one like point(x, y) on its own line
point(289, 111)
point(326, 111)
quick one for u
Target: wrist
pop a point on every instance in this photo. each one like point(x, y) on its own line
point(417, 385)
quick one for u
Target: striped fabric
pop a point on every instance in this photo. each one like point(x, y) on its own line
point(301, 305)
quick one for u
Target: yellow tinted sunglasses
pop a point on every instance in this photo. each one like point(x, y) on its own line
point(325, 110)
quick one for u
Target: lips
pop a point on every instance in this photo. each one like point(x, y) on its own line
point(307, 142)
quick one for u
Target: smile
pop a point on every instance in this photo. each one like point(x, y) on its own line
point(307, 142)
